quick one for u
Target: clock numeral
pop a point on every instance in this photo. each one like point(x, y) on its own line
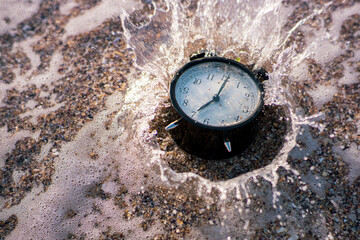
point(206, 121)
point(246, 109)
point(222, 122)
point(185, 90)
point(247, 94)
point(185, 102)
point(239, 84)
point(197, 81)
point(223, 77)
point(237, 118)
point(193, 113)
point(210, 76)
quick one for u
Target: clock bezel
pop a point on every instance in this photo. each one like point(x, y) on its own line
point(222, 60)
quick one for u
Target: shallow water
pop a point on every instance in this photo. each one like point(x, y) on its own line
point(84, 88)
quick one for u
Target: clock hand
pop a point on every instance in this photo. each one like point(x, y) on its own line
point(223, 85)
point(214, 99)
point(205, 105)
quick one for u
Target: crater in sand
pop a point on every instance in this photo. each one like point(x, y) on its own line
point(189, 149)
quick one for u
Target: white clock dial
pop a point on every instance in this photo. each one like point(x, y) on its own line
point(216, 94)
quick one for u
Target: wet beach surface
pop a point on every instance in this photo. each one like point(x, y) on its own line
point(84, 101)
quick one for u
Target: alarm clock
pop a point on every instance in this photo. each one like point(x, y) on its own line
point(216, 93)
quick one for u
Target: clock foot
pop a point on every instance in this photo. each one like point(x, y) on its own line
point(174, 124)
point(227, 142)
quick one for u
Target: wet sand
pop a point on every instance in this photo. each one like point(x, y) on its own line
point(84, 99)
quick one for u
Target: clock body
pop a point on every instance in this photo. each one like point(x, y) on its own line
point(216, 93)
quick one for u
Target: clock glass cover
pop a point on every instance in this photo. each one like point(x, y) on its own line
point(216, 93)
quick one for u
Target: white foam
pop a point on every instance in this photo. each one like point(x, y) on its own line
point(16, 11)
point(339, 17)
point(300, 72)
point(323, 42)
point(27, 47)
point(8, 140)
point(352, 157)
point(322, 94)
point(350, 76)
point(21, 82)
point(119, 154)
point(51, 75)
point(34, 113)
point(325, 49)
point(67, 6)
point(127, 149)
point(96, 16)
point(322, 46)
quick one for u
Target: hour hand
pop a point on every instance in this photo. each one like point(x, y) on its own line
point(215, 98)
point(205, 105)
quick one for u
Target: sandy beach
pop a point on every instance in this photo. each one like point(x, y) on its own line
point(84, 99)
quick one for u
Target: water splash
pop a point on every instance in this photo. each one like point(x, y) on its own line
point(227, 27)
point(232, 28)
point(282, 198)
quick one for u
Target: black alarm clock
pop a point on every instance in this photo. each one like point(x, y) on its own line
point(216, 93)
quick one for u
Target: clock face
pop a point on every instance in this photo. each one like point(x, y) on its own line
point(216, 93)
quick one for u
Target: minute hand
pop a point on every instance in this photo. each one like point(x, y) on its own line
point(223, 85)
